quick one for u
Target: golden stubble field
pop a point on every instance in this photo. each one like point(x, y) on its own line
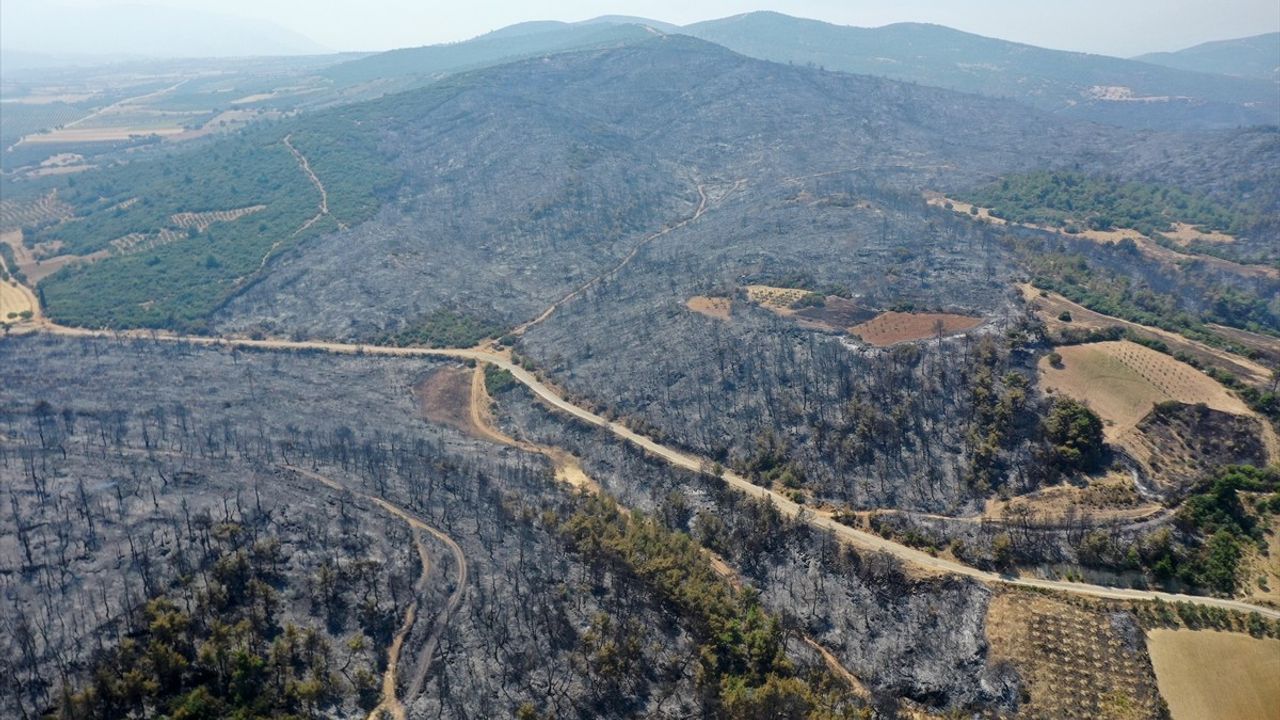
point(1211, 675)
point(1122, 380)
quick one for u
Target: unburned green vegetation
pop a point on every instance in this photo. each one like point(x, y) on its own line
point(173, 276)
point(1073, 200)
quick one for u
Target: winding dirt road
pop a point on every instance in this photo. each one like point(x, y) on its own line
point(679, 458)
point(391, 702)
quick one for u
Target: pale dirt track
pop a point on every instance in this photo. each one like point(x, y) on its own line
point(391, 703)
point(819, 520)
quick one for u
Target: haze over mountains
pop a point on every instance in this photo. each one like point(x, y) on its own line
point(1092, 87)
point(1257, 56)
point(41, 33)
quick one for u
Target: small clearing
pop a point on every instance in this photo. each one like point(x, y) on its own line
point(14, 300)
point(713, 307)
point(202, 220)
point(1209, 675)
point(894, 327)
point(444, 397)
point(1108, 499)
point(1185, 234)
point(1122, 381)
point(1075, 662)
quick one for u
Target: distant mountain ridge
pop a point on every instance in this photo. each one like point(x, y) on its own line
point(1257, 57)
point(1091, 87)
point(508, 44)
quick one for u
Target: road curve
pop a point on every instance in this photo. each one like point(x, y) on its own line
point(688, 461)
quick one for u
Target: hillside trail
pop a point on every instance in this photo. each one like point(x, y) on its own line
point(315, 180)
point(391, 703)
point(703, 206)
point(821, 520)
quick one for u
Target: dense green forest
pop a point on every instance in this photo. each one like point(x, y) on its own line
point(444, 328)
point(1075, 201)
point(174, 277)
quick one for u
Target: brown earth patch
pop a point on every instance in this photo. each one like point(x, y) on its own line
point(712, 307)
point(1210, 675)
point(895, 327)
point(444, 398)
point(1075, 662)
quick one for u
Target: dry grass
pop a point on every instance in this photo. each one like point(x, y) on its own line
point(713, 307)
point(1122, 380)
point(99, 134)
point(1148, 247)
point(895, 327)
point(1104, 499)
point(1075, 662)
point(14, 300)
point(1185, 234)
point(1209, 675)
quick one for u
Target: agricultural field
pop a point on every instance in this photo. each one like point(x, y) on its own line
point(893, 327)
point(1122, 380)
point(1211, 675)
point(776, 299)
point(1076, 662)
point(1064, 320)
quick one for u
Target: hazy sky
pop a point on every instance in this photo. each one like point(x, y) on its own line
point(1114, 27)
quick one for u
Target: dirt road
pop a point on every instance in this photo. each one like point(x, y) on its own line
point(682, 459)
point(391, 703)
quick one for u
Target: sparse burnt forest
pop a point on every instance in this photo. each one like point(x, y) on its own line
point(929, 426)
point(867, 609)
point(236, 542)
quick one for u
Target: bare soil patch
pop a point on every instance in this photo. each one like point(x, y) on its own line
point(1076, 662)
point(1122, 381)
point(895, 327)
point(444, 397)
point(1209, 675)
point(712, 307)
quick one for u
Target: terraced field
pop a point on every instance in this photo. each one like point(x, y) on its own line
point(1077, 662)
